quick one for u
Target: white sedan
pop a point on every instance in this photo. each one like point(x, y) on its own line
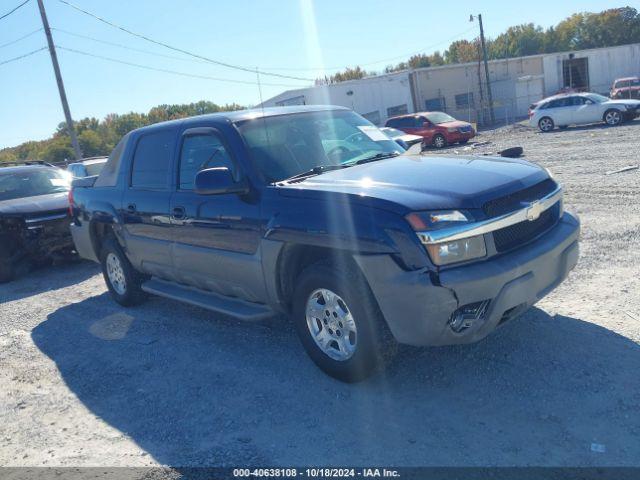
point(581, 108)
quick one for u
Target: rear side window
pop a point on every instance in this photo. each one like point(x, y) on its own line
point(109, 174)
point(151, 161)
point(200, 152)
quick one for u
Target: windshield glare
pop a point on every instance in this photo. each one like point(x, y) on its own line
point(286, 145)
point(32, 183)
point(439, 117)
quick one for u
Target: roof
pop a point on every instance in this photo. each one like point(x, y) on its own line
point(242, 115)
point(22, 168)
point(625, 79)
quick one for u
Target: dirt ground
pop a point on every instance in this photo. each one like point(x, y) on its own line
point(84, 382)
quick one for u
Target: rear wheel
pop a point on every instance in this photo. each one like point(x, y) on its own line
point(339, 322)
point(439, 141)
point(123, 281)
point(546, 124)
point(612, 117)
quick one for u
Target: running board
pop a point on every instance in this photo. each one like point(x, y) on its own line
point(211, 301)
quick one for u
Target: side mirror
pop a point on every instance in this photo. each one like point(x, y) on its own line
point(426, 124)
point(217, 181)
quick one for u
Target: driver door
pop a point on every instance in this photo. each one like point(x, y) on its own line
point(216, 237)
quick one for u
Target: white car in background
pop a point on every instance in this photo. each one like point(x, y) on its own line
point(580, 109)
point(87, 167)
point(405, 140)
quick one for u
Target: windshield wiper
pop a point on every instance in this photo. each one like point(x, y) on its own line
point(317, 170)
point(374, 158)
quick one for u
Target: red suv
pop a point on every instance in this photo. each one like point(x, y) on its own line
point(436, 128)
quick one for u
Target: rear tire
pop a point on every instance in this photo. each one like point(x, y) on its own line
point(339, 323)
point(123, 281)
point(439, 141)
point(546, 124)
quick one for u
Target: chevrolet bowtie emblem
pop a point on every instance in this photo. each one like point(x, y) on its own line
point(534, 211)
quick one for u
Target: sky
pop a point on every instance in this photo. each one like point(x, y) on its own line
point(298, 38)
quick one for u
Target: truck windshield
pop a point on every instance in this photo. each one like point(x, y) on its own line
point(286, 145)
point(31, 183)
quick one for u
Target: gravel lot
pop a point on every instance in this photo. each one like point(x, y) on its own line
point(84, 382)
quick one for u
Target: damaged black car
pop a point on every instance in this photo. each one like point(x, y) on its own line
point(34, 218)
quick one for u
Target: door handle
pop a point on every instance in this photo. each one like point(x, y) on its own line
point(131, 208)
point(178, 213)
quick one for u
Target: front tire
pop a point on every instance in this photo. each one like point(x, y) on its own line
point(612, 117)
point(339, 322)
point(546, 124)
point(123, 281)
point(439, 141)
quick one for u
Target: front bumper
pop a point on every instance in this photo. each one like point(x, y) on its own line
point(453, 137)
point(418, 307)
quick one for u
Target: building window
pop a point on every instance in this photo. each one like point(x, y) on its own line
point(397, 110)
point(435, 104)
point(373, 117)
point(464, 100)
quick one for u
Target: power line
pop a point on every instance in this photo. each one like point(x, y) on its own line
point(19, 39)
point(127, 47)
point(22, 56)
point(16, 8)
point(310, 69)
point(180, 50)
point(173, 72)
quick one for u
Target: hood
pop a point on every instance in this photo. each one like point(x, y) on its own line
point(423, 182)
point(31, 205)
point(623, 101)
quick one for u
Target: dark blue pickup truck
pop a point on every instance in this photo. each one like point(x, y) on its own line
point(313, 212)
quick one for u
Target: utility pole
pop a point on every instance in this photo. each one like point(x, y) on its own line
point(63, 95)
point(486, 68)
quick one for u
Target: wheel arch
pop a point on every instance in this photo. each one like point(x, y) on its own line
point(294, 258)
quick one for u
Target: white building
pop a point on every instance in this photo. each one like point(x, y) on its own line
point(460, 89)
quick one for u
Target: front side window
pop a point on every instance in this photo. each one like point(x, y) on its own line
point(285, 145)
point(32, 183)
point(151, 161)
point(200, 152)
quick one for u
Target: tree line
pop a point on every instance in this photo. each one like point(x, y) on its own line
point(615, 26)
point(98, 137)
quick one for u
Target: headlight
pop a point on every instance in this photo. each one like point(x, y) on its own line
point(447, 252)
point(457, 251)
point(421, 221)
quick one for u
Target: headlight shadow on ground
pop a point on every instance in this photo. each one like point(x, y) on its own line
point(194, 389)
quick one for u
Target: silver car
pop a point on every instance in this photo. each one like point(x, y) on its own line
point(581, 109)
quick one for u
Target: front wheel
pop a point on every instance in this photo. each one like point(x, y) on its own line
point(546, 124)
point(612, 117)
point(339, 322)
point(439, 141)
point(123, 281)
